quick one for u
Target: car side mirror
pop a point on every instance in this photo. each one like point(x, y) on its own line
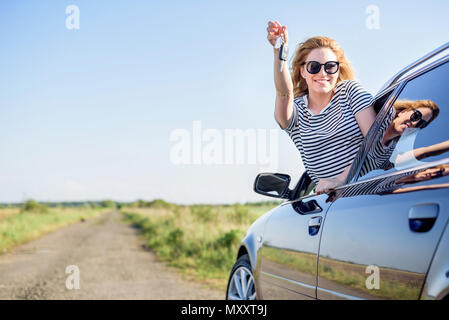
point(273, 185)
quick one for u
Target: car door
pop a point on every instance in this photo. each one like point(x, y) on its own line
point(382, 230)
point(288, 258)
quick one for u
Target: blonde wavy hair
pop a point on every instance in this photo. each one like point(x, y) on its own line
point(299, 83)
point(400, 105)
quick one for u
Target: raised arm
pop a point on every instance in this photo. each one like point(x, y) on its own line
point(433, 150)
point(283, 109)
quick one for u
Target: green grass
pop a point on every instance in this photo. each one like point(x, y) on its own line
point(202, 242)
point(394, 283)
point(199, 240)
point(300, 261)
point(20, 226)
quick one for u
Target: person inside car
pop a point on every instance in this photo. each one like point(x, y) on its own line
point(395, 148)
point(322, 108)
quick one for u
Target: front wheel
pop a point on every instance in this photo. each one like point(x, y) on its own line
point(241, 284)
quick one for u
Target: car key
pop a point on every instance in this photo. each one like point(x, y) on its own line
point(283, 52)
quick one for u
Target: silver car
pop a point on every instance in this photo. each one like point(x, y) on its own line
point(383, 234)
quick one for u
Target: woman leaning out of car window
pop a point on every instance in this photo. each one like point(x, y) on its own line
point(324, 111)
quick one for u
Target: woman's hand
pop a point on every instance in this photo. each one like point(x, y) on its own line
point(325, 185)
point(275, 29)
point(283, 107)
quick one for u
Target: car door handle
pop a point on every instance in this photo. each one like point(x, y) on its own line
point(422, 217)
point(314, 225)
point(307, 207)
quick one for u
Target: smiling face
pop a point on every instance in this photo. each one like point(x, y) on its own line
point(402, 121)
point(322, 82)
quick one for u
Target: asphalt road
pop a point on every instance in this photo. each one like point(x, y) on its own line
point(111, 261)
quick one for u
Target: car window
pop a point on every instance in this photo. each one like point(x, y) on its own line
point(308, 190)
point(305, 187)
point(415, 130)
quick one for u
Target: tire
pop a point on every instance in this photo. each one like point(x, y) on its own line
point(241, 285)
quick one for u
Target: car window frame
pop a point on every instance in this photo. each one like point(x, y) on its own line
point(353, 175)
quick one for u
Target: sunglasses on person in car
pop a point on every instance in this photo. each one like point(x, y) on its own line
point(416, 116)
point(313, 67)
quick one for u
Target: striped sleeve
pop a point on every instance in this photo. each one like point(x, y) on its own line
point(358, 97)
point(294, 121)
point(378, 156)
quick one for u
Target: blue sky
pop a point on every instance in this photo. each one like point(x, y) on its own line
point(87, 114)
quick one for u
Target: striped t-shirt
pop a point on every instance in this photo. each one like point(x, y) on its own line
point(378, 156)
point(329, 141)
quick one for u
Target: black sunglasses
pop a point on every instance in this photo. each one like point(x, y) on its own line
point(313, 67)
point(417, 116)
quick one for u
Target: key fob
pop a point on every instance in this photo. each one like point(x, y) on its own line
point(283, 53)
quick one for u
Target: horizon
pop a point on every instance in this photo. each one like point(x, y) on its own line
point(135, 201)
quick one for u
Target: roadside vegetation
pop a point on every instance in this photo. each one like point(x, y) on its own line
point(199, 240)
point(396, 284)
point(20, 223)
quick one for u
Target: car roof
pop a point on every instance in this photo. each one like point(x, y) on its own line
point(416, 67)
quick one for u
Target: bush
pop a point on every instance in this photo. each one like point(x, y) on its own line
point(140, 204)
point(240, 214)
point(228, 239)
point(203, 213)
point(160, 204)
point(108, 204)
point(155, 204)
point(175, 242)
point(34, 206)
